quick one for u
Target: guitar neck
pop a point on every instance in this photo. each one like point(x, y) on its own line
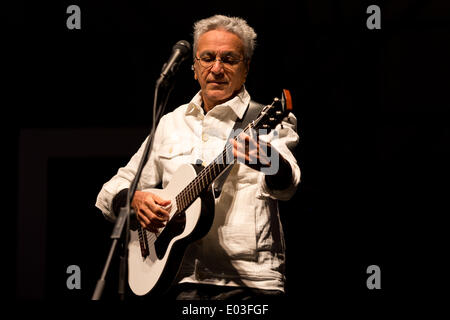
point(204, 179)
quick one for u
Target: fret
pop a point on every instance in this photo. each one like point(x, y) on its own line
point(210, 174)
point(193, 193)
point(205, 177)
point(181, 197)
point(189, 194)
point(205, 181)
point(201, 184)
point(177, 202)
point(195, 185)
point(184, 199)
point(218, 169)
point(214, 170)
point(221, 167)
point(211, 171)
point(217, 165)
point(181, 206)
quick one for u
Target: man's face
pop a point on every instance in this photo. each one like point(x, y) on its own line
point(220, 82)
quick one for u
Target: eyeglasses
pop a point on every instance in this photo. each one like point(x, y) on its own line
point(227, 61)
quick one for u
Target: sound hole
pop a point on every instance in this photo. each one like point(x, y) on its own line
point(175, 227)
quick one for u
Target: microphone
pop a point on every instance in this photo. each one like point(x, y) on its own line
point(180, 52)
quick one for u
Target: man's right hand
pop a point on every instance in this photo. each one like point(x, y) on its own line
point(148, 210)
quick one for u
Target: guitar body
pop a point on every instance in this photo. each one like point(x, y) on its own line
point(155, 272)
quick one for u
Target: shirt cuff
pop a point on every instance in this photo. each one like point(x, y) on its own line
point(284, 194)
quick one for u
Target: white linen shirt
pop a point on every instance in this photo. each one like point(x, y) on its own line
point(245, 245)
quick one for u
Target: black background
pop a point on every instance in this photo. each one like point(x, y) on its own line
point(372, 111)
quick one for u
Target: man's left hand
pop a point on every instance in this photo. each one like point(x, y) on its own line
point(253, 152)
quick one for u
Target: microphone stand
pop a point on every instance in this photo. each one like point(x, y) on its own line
point(127, 211)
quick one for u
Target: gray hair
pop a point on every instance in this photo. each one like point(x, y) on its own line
point(235, 25)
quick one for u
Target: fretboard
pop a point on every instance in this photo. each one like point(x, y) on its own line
point(204, 179)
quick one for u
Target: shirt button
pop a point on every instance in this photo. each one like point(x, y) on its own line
point(204, 137)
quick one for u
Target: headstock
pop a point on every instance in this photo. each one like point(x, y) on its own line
point(274, 113)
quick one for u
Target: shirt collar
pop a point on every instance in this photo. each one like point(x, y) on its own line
point(238, 104)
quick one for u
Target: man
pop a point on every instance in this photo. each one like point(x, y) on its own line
point(243, 254)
